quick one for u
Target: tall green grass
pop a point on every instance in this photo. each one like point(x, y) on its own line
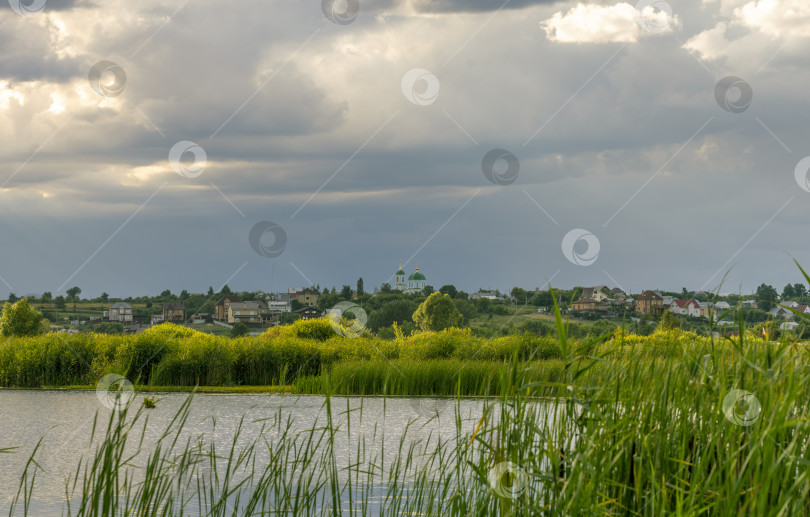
point(620, 438)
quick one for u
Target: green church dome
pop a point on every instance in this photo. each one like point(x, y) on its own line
point(401, 272)
point(417, 276)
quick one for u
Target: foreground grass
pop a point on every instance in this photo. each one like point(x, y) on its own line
point(653, 436)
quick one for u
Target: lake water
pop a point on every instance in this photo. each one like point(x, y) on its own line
point(64, 421)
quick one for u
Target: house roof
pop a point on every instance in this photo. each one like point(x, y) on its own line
point(649, 295)
point(307, 309)
point(120, 305)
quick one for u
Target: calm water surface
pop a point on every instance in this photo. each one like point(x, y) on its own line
point(64, 421)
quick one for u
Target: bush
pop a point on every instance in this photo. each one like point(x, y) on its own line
point(20, 319)
point(317, 329)
point(239, 329)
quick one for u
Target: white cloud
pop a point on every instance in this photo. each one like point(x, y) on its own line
point(763, 23)
point(710, 44)
point(777, 19)
point(591, 23)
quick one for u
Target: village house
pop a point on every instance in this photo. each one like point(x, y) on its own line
point(307, 296)
point(253, 312)
point(308, 313)
point(596, 294)
point(649, 302)
point(120, 311)
point(174, 312)
point(686, 308)
point(221, 308)
point(585, 305)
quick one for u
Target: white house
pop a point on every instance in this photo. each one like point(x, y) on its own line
point(685, 308)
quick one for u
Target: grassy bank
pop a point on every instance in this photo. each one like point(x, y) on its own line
point(170, 355)
point(640, 427)
point(299, 357)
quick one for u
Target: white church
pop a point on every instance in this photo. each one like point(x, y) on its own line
point(415, 283)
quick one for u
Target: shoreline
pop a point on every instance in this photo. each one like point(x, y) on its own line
point(235, 390)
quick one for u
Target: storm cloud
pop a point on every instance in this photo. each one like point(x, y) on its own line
point(612, 111)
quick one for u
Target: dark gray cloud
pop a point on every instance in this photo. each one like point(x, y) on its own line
point(310, 106)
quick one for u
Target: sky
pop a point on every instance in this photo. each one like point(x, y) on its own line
point(181, 144)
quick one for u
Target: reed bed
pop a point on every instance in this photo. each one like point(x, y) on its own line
point(606, 437)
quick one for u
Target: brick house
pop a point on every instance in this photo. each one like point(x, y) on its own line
point(221, 308)
point(649, 302)
point(174, 312)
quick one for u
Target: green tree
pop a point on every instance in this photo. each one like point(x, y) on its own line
point(210, 291)
point(385, 288)
point(60, 302)
point(766, 296)
point(346, 292)
point(799, 290)
point(225, 290)
point(449, 290)
point(20, 319)
point(360, 290)
point(466, 308)
point(73, 293)
point(12, 298)
point(542, 299)
point(788, 292)
point(520, 294)
point(239, 329)
point(428, 290)
point(399, 310)
point(47, 296)
point(669, 321)
point(436, 313)
point(105, 297)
